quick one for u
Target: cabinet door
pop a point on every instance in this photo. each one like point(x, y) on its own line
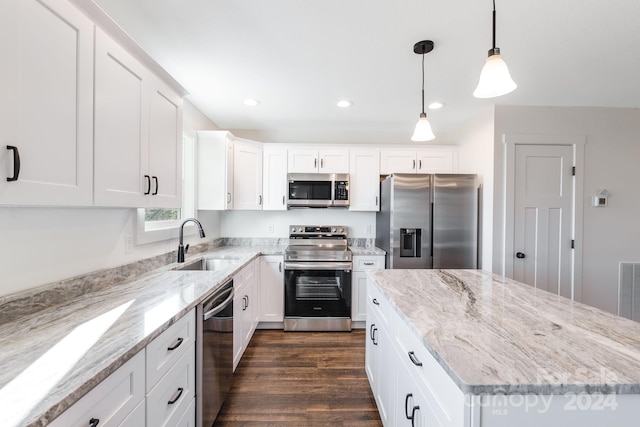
point(302, 160)
point(215, 170)
point(397, 161)
point(358, 296)
point(379, 365)
point(238, 310)
point(333, 161)
point(247, 176)
point(364, 184)
point(121, 126)
point(437, 161)
point(46, 81)
point(274, 179)
point(412, 408)
point(165, 146)
point(271, 289)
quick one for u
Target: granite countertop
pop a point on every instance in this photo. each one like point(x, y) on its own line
point(54, 355)
point(365, 250)
point(493, 335)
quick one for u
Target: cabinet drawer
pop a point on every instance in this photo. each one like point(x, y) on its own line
point(366, 263)
point(168, 347)
point(442, 394)
point(379, 304)
point(112, 400)
point(189, 417)
point(137, 417)
point(170, 398)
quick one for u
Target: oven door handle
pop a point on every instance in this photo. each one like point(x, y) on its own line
point(302, 265)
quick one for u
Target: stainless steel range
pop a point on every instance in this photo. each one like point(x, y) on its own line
point(317, 279)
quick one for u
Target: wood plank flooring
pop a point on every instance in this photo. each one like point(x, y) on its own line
point(301, 379)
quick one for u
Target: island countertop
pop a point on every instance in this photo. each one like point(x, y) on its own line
point(493, 335)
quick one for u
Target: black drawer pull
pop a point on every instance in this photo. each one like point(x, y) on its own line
point(16, 163)
point(148, 180)
point(414, 359)
point(93, 422)
point(176, 345)
point(177, 396)
point(413, 415)
point(155, 179)
point(406, 405)
point(375, 301)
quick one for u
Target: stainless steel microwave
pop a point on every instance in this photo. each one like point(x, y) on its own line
point(318, 190)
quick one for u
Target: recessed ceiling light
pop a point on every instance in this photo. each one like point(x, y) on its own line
point(436, 105)
point(250, 102)
point(343, 103)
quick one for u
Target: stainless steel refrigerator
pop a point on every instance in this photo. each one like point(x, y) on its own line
point(429, 221)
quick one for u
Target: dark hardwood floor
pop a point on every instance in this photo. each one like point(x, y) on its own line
point(301, 379)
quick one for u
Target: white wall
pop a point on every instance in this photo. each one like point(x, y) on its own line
point(44, 245)
point(276, 223)
point(476, 155)
point(612, 155)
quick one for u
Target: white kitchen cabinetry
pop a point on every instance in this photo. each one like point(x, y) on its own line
point(138, 125)
point(323, 161)
point(215, 170)
point(112, 401)
point(271, 289)
point(432, 160)
point(364, 180)
point(274, 179)
point(245, 310)
point(359, 283)
point(412, 408)
point(380, 363)
point(46, 81)
point(247, 175)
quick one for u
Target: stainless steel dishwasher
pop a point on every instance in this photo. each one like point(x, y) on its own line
point(214, 360)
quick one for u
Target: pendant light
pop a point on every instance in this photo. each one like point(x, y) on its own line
point(495, 79)
point(423, 130)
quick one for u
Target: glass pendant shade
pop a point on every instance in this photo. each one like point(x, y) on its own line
point(495, 79)
point(423, 130)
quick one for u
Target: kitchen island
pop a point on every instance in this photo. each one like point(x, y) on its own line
point(484, 350)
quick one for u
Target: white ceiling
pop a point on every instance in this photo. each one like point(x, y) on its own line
point(300, 57)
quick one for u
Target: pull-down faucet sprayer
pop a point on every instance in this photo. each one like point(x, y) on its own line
point(181, 248)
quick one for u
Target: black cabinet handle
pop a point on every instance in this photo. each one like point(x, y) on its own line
point(315, 163)
point(16, 163)
point(520, 255)
point(419, 164)
point(375, 301)
point(176, 396)
point(148, 190)
point(414, 165)
point(176, 345)
point(413, 415)
point(282, 200)
point(155, 179)
point(373, 325)
point(279, 267)
point(228, 197)
point(406, 405)
point(260, 199)
point(375, 341)
point(93, 422)
point(414, 359)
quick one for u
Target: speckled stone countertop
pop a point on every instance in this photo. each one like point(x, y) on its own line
point(366, 251)
point(61, 350)
point(497, 336)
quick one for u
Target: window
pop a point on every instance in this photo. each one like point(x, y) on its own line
point(156, 224)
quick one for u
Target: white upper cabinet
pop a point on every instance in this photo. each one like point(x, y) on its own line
point(426, 160)
point(215, 170)
point(138, 123)
point(247, 175)
point(46, 81)
point(364, 184)
point(322, 161)
point(274, 179)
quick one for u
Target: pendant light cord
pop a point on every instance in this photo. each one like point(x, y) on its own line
point(494, 25)
point(423, 83)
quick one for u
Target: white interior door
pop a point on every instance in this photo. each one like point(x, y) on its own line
point(543, 217)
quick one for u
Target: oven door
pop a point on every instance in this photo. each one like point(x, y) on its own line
point(317, 289)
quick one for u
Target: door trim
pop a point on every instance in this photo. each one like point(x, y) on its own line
point(578, 143)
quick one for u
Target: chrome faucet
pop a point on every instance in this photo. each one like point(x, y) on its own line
point(181, 248)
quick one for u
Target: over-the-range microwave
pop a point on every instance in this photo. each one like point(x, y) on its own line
point(318, 190)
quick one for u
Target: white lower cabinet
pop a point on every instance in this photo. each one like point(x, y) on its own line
point(271, 289)
point(164, 373)
point(379, 358)
point(359, 283)
point(245, 310)
point(111, 401)
point(170, 398)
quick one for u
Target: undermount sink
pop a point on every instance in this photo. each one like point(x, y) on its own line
point(210, 264)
